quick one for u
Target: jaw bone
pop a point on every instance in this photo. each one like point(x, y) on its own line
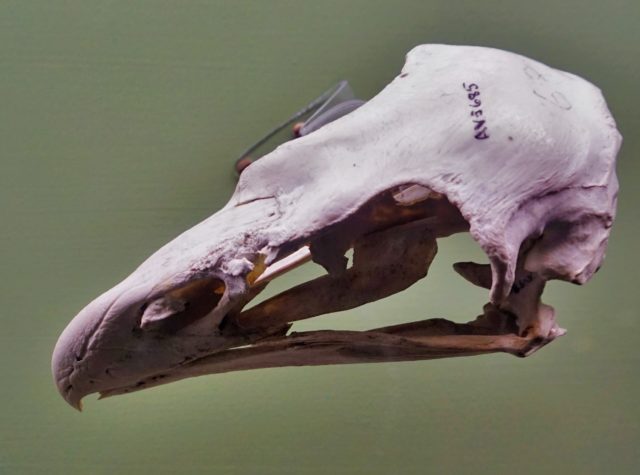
point(464, 139)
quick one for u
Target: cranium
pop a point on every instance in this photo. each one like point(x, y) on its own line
point(464, 139)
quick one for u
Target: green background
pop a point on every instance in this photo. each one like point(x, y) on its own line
point(119, 123)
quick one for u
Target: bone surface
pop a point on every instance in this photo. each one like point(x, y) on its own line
point(473, 139)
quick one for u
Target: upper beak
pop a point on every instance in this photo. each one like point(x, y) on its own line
point(72, 346)
point(86, 348)
point(118, 339)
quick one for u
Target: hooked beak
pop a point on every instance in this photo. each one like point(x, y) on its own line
point(128, 334)
point(166, 312)
point(76, 348)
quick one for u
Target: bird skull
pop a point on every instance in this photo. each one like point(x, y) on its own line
point(463, 139)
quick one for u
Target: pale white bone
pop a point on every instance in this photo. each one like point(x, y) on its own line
point(160, 309)
point(542, 171)
point(284, 265)
point(411, 194)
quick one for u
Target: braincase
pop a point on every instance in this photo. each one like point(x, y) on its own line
point(547, 167)
point(546, 159)
point(546, 128)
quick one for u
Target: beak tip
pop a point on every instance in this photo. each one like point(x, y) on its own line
point(74, 400)
point(76, 405)
point(64, 379)
point(69, 394)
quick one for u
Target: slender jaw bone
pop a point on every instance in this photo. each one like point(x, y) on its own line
point(464, 139)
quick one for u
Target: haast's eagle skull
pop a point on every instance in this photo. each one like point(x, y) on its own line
point(464, 139)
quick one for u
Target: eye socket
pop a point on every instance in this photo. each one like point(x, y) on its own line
point(182, 306)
